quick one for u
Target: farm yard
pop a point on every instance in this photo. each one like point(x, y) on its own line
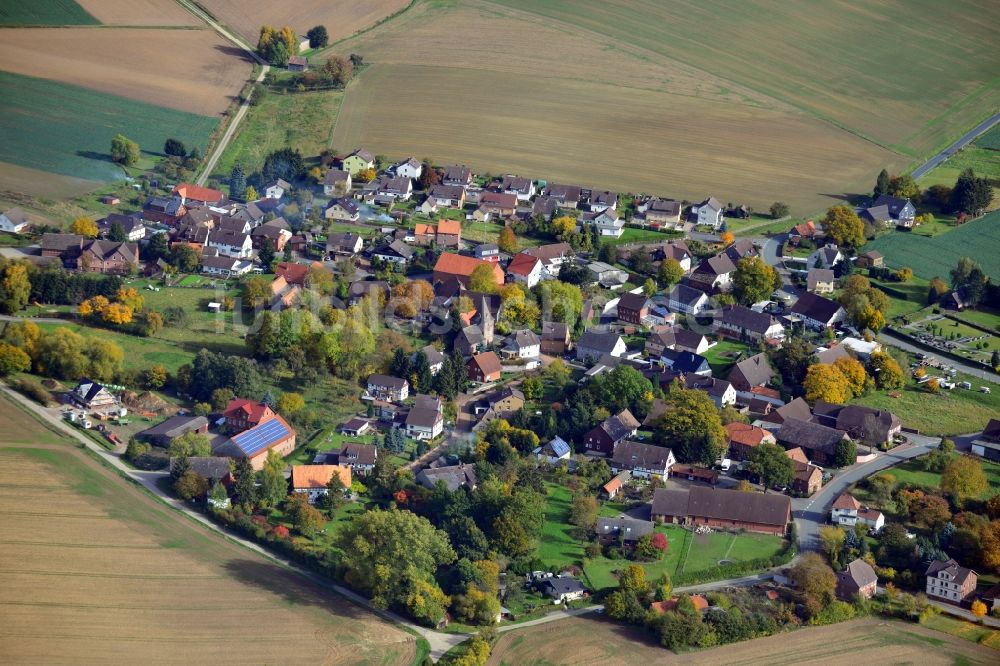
point(96, 567)
point(592, 642)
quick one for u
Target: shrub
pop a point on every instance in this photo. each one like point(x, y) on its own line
point(33, 390)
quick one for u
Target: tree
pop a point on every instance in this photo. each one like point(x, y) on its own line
point(155, 377)
point(745, 486)
point(772, 465)
point(846, 453)
point(971, 195)
point(318, 37)
point(266, 253)
point(825, 382)
point(174, 148)
point(814, 577)
point(904, 274)
point(978, 608)
point(84, 226)
point(854, 372)
point(333, 499)
point(276, 46)
point(649, 287)
point(290, 403)
point(754, 280)
point(483, 279)
point(669, 273)
point(191, 485)
point(886, 371)
point(583, 512)
point(13, 360)
point(272, 487)
point(256, 291)
point(237, 182)
point(779, 209)
point(306, 519)
point(507, 241)
point(564, 227)
point(727, 238)
point(124, 150)
point(190, 444)
point(844, 226)
point(904, 187)
point(285, 163)
point(244, 484)
point(831, 538)
point(158, 248)
point(881, 184)
point(691, 426)
point(15, 286)
point(964, 478)
point(184, 258)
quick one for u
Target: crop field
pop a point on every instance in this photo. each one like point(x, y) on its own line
point(97, 572)
point(934, 257)
point(342, 18)
point(592, 642)
point(267, 127)
point(991, 139)
point(44, 12)
point(140, 12)
point(67, 130)
point(638, 95)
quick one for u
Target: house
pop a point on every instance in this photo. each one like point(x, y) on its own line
point(744, 438)
point(688, 340)
point(283, 295)
point(293, 273)
point(453, 477)
point(343, 244)
point(817, 312)
point(603, 439)
point(14, 220)
point(544, 207)
point(871, 259)
point(606, 275)
point(314, 479)
point(522, 343)
point(720, 391)
point(410, 168)
point(644, 461)
point(226, 267)
point(487, 252)
point(553, 451)
point(664, 212)
point(555, 338)
point(426, 418)
point(457, 175)
point(827, 256)
point(525, 269)
point(695, 473)
point(687, 300)
point(56, 245)
point(297, 63)
point(191, 194)
point(493, 204)
point(602, 200)
point(819, 441)
point(802, 230)
point(622, 529)
point(857, 578)
point(132, 226)
point(254, 443)
point(633, 308)
point(241, 414)
point(236, 225)
point(94, 397)
point(889, 210)
point(808, 478)
point(561, 589)
point(336, 183)
point(607, 222)
point(566, 196)
point(751, 373)
point(108, 257)
point(276, 231)
point(714, 273)
point(484, 367)
point(742, 323)
point(393, 188)
point(446, 196)
point(796, 409)
point(360, 458)
point(168, 210)
point(820, 280)
point(164, 433)
point(450, 265)
point(434, 356)
point(950, 582)
point(231, 243)
point(676, 250)
point(708, 213)
point(388, 388)
point(357, 162)
point(723, 509)
point(522, 188)
point(596, 342)
point(987, 444)
point(684, 362)
point(611, 489)
point(859, 423)
point(277, 188)
point(552, 256)
point(397, 252)
point(215, 469)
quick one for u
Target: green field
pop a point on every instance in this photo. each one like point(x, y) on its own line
point(990, 140)
point(67, 130)
point(633, 235)
point(303, 121)
point(722, 356)
point(935, 257)
point(913, 472)
point(43, 12)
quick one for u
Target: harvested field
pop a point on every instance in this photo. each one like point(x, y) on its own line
point(599, 642)
point(187, 70)
point(44, 12)
point(42, 184)
point(342, 18)
point(96, 571)
point(140, 12)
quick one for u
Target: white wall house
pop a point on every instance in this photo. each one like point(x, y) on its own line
point(709, 212)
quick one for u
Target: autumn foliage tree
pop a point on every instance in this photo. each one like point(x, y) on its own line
point(84, 226)
point(827, 383)
point(964, 478)
point(508, 240)
point(844, 226)
point(276, 46)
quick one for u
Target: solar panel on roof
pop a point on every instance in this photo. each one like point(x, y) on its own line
point(261, 437)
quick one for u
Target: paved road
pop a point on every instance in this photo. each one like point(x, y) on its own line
point(979, 129)
point(552, 617)
point(976, 371)
point(769, 251)
point(37, 320)
point(439, 642)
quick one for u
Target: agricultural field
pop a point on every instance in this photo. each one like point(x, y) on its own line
point(935, 257)
point(636, 95)
point(44, 12)
point(98, 571)
point(981, 156)
point(592, 642)
point(267, 127)
point(156, 13)
point(66, 130)
point(342, 18)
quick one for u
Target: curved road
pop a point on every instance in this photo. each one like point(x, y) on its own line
point(968, 137)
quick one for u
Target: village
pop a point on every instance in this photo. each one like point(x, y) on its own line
point(561, 389)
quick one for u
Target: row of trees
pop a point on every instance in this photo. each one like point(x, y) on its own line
point(60, 353)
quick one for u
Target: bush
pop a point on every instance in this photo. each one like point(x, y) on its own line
point(837, 611)
point(33, 390)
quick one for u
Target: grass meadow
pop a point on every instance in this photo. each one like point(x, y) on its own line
point(43, 12)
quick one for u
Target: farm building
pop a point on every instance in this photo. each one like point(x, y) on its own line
point(723, 509)
point(314, 479)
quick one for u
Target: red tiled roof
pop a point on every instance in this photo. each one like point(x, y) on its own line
point(847, 501)
point(522, 264)
point(452, 227)
point(197, 192)
point(748, 435)
point(318, 476)
point(292, 272)
point(253, 410)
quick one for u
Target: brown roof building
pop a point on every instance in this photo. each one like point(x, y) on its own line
point(744, 438)
point(723, 509)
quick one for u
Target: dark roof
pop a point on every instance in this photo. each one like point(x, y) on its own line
point(387, 380)
point(718, 503)
point(453, 477)
point(564, 192)
point(446, 191)
point(710, 385)
point(756, 370)
point(554, 330)
point(636, 454)
point(558, 586)
point(745, 318)
point(895, 205)
point(682, 293)
point(61, 242)
point(347, 240)
point(952, 567)
point(347, 203)
point(212, 468)
point(855, 576)
point(853, 418)
point(357, 454)
point(815, 307)
point(397, 248)
point(992, 430)
point(796, 409)
point(720, 264)
point(685, 361)
point(334, 176)
point(665, 206)
point(544, 206)
point(808, 435)
point(634, 302)
point(599, 339)
point(549, 252)
point(630, 529)
point(175, 426)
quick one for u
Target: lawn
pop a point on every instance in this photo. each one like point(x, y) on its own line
point(302, 120)
point(915, 292)
point(140, 353)
point(935, 257)
point(975, 633)
point(67, 130)
point(724, 355)
point(43, 12)
point(913, 472)
point(987, 318)
point(633, 235)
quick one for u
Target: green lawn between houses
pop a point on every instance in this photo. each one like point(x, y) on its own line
point(912, 471)
point(687, 553)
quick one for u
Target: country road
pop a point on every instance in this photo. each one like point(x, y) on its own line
point(966, 138)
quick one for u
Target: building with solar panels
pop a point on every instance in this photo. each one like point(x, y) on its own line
point(255, 442)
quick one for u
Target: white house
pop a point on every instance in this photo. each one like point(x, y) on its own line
point(426, 418)
point(411, 168)
point(595, 343)
point(231, 243)
point(522, 343)
point(313, 480)
point(607, 222)
point(525, 269)
point(336, 183)
point(14, 221)
point(687, 300)
point(344, 208)
point(827, 256)
point(848, 511)
point(709, 212)
point(277, 189)
point(557, 449)
point(225, 266)
point(642, 460)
